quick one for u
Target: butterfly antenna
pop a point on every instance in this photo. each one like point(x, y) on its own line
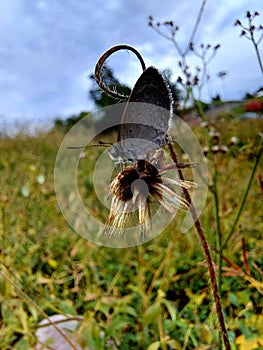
point(101, 144)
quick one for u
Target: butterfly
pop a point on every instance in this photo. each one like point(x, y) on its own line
point(146, 118)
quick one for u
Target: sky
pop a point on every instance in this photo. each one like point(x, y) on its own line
point(49, 48)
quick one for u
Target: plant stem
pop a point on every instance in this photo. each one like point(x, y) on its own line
point(197, 22)
point(259, 58)
point(218, 231)
point(4, 229)
point(162, 335)
point(256, 48)
point(218, 227)
point(207, 257)
point(243, 200)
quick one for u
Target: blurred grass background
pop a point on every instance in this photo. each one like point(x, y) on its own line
point(147, 297)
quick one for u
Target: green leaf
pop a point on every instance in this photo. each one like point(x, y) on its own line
point(233, 299)
point(118, 323)
point(67, 307)
point(22, 344)
point(125, 309)
point(154, 346)
point(173, 344)
point(171, 309)
point(152, 314)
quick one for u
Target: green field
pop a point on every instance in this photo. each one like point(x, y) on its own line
point(154, 296)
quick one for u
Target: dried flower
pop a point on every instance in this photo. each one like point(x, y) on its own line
point(179, 80)
point(223, 149)
point(204, 124)
point(195, 80)
point(205, 150)
point(214, 135)
point(248, 14)
point(215, 149)
point(233, 141)
point(136, 187)
point(169, 23)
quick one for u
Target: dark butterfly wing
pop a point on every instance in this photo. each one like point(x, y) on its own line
point(152, 89)
point(146, 118)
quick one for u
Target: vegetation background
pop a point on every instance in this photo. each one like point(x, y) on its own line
point(155, 296)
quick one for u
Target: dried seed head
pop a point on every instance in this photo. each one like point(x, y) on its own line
point(204, 124)
point(215, 149)
point(214, 135)
point(205, 150)
point(233, 141)
point(134, 190)
point(223, 149)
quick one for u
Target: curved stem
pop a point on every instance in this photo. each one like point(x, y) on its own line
point(101, 61)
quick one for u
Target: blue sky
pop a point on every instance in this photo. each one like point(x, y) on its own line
point(50, 47)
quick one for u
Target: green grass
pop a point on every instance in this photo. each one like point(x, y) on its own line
point(130, 298)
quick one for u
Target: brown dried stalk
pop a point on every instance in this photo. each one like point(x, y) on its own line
point(207, 254)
